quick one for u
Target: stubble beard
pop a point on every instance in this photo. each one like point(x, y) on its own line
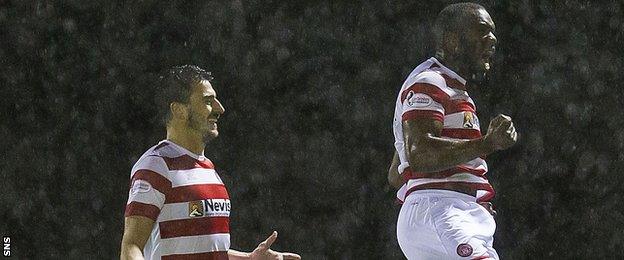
point(199, 125)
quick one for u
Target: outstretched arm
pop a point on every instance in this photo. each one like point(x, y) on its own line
point(263, 252)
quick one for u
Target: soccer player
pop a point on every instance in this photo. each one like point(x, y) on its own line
point(178, 207)
point(439, 159)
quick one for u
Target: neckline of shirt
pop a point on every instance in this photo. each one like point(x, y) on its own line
point(450, 73)
point(200, 157)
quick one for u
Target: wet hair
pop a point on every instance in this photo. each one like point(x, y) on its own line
point(175, 85)
point(452, 19)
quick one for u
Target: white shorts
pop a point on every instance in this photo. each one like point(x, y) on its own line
point(440, 224)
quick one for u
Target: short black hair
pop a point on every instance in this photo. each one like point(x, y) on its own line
point(175, 85)
point(452, 19)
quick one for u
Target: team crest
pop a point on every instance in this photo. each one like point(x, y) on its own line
point(469, 120)
point(196, 208)
point(464, 250)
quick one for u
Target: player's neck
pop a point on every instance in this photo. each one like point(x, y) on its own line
point(186, 138)
point(453, 64)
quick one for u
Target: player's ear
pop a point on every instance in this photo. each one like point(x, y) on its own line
point(452, 42)
point(178, 110)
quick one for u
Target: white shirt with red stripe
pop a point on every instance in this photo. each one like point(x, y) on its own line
point(436, 92)
point(184, 195)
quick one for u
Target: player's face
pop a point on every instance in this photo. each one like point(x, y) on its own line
point(204, 110)
point(479, 42)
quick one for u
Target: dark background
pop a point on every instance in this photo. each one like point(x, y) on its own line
point(306, 140)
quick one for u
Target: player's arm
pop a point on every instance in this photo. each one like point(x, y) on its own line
point(427, 151)
point(137, 230)
point(237, 255)
point(145, 200)
point(394, 177)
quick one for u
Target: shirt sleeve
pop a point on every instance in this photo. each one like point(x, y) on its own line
point(148, 189)
point(423, 100)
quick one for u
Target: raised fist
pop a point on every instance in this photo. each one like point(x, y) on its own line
point(501, 133)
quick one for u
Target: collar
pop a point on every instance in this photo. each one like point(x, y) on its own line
point(200, 157)
point(452, 79)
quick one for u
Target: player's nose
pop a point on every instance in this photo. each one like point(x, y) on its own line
point(492, 38)
point(217, 107)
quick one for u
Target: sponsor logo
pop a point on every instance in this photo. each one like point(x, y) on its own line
point(218, 207)
point(418, 99)
point(196, 208)
point(464, 250)
point(210, 208)
point(140, 186)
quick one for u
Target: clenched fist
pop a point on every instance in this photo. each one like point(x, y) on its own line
point(501, 134)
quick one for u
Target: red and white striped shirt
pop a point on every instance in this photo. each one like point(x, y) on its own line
point(183, 193)
point(436, 92)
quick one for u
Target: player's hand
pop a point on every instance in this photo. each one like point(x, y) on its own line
point(501, 133)
point(263, 251)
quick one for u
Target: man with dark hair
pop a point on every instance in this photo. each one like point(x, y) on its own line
point(178, 207)
point(438, 164)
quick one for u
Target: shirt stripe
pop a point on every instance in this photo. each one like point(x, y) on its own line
point(199, 256)
point(193, 176)
point(175, 211)
point(197, 192)
point(459, 106)
point(194, 227)
point(186, 162)
point(417, 114)
point(195, 245)
point(430, 90)
point(142, 209)
point(158, 182)
point(461, 133)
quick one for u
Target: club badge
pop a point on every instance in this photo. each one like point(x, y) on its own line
point(196, 208)
point(464, 250)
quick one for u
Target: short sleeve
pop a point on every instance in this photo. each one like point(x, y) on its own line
point(148, 189)
point(423, 100)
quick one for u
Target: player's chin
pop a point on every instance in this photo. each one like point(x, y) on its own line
point(482, 67)
point(483, 64)
point(486, 66)
point(211, 134)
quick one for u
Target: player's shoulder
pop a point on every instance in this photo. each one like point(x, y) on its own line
point(154, 158)
point(433, 78)
point(430, 82)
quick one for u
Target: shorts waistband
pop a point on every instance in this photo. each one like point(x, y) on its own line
point(439, 193)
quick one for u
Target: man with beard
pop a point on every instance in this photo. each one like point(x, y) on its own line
point(178, 207)
point(438, 163)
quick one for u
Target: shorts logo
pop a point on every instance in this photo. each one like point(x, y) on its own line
point(464, 250)
point(140, 186)
point(418, 99)
point(196, 208)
